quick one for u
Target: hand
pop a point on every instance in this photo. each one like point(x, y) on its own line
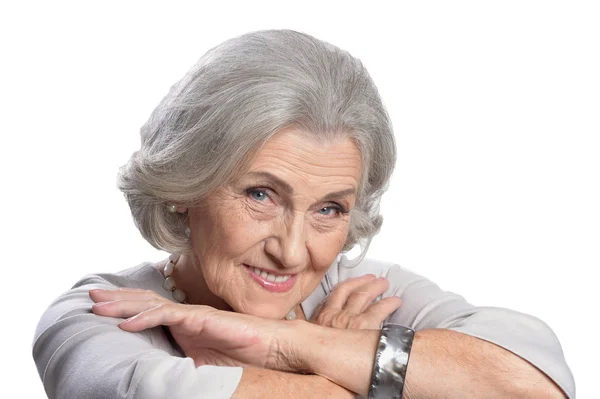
point(350, 304)
point(207, 335)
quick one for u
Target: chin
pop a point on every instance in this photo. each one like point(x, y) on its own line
point(266, 311)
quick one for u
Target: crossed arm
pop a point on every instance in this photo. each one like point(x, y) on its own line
point(334, 362)
point(443, 364)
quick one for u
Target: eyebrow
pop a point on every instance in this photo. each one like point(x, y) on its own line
point(290, 190)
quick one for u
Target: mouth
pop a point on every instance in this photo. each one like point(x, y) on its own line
point(274, 282)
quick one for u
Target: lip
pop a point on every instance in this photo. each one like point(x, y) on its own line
point(270, 285)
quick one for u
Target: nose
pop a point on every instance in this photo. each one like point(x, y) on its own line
point(287, 244)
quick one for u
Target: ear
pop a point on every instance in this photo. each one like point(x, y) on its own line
point(181, 209)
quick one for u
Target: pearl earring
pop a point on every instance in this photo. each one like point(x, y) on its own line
point(172, 208)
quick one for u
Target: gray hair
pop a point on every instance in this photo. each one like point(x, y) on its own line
point(238, 95)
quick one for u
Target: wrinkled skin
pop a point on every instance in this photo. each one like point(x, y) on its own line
point(294, 221)
point(297, 227)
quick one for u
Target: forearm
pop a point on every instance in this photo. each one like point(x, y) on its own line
point(443, 364)
point(463, 366)
point(264, 383)
point(344, 356)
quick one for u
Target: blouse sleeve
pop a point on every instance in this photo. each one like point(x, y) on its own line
point(81, 355)
point(426, 306)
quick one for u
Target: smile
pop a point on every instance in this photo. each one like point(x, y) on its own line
point(270, 281)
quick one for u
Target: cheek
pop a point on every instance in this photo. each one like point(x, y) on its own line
point(325, 247)
point(225, 233)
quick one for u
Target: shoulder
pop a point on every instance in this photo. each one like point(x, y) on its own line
point(144, 275)
point(345, 268)
point(68, 326)
point(76, 300)
point(79, 354)
point(71, 313)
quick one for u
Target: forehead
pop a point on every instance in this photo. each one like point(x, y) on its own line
point(293, 154)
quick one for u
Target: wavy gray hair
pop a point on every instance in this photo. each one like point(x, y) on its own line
point(238, 95)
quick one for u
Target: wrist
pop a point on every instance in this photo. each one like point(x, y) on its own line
point(310, 346)
point(344, 356)
point(391, 362)
point(288, 351)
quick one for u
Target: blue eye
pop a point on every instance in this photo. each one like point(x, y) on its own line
point(258, 195)
point(327, 210)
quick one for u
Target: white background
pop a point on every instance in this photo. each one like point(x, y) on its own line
point(496, 109)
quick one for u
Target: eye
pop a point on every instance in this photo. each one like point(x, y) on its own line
point(258, 194)
point(332, 210)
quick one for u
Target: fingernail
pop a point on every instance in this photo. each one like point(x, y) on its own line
point(96, 290)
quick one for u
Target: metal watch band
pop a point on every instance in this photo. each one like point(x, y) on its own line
point(391, 362)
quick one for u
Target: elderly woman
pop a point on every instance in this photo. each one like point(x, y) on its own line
point(257, 171)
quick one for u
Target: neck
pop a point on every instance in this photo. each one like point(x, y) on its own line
point(189, 278)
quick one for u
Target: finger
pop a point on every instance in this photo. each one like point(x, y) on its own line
point(163, 314)
point(121, 294)
point(364, 295)
point(317, 312)
point(380, 310)
point(124, 308)
point(338, 297)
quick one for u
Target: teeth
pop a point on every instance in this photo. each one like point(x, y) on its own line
point(270, 277)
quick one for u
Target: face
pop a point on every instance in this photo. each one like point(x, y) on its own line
point(264, 241)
